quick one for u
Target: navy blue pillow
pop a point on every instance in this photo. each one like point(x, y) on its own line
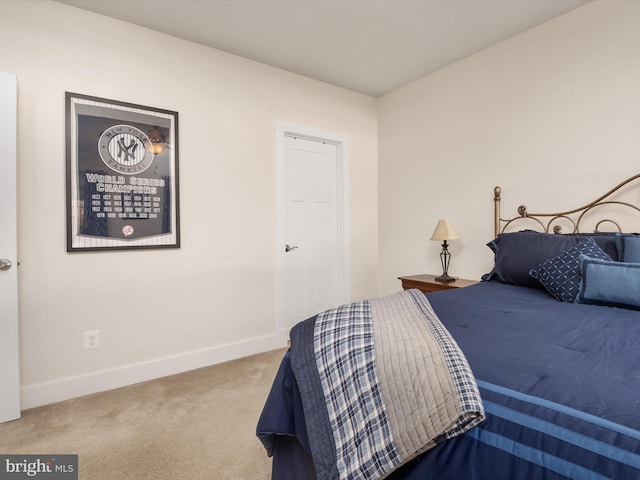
point(561, 276)
point(518, 252)
point(605, 240)
point(615, 284)
point(628, 246)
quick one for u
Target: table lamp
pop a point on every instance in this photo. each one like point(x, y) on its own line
point(445, 231)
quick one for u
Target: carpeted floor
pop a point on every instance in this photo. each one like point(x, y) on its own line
point(195, 425)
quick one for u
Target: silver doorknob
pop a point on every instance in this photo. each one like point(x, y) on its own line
point(5, 264)
point(288, 248)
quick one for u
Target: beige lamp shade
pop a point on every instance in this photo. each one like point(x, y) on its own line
point(445, 231)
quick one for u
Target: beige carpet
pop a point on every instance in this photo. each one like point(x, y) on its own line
point(195, 425)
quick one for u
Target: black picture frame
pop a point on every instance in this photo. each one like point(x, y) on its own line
point(122, 175)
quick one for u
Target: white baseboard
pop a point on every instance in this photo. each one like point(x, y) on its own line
point(57, 391)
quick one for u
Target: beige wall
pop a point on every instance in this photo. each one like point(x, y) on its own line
point(551, 115)
point(165, 310)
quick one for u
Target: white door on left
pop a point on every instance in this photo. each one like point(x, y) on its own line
point(9, 370)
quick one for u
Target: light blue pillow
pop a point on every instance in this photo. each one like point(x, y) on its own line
point(615, 284)
point(560, 275)
point(628, 247)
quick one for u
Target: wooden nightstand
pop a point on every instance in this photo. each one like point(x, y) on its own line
point(428, 283)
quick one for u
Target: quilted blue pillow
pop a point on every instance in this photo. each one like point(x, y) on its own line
point(628, 247)
point(561, 276)
point(615, 284)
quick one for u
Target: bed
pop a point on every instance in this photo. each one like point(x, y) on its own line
point(550, 339)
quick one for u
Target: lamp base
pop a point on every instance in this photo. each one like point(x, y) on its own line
point(445, 278)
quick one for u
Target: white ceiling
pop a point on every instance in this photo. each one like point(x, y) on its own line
point(369, 46)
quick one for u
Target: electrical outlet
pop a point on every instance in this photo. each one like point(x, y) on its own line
point(92, 339)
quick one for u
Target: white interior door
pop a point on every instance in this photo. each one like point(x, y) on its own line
point(9, 372)
point(312, 247)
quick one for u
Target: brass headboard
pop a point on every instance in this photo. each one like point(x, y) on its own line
point(551, 221)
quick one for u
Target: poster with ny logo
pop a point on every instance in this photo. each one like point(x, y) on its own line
point(122, 175)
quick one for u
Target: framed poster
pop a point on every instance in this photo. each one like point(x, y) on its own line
point(122, 175)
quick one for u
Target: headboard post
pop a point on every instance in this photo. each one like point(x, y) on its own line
point(496, 210)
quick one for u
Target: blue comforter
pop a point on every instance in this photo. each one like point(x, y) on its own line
point(560, 384)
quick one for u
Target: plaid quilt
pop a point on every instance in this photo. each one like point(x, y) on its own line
point(381, 381)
